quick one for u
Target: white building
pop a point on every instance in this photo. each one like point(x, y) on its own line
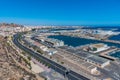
point(51, 51)
point(98, 47)
point(54, 42)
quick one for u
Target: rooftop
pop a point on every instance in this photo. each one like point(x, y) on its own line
point(86, 55)
point(100, 45)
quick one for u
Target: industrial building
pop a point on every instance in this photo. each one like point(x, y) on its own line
point(96, 60)
point(88, 57)
point(94, 48)
point(54, 42)
point(51, 51)
point(93, 69)
point(89, 67)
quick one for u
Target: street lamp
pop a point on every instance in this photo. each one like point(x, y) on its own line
point(66, 73)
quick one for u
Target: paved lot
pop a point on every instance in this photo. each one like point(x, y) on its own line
point(53, 75)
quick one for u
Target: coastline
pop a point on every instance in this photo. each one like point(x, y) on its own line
point(100, 41)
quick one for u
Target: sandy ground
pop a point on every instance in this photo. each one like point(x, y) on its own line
point(36, 68)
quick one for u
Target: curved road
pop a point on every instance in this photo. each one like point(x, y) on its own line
point(71, 75)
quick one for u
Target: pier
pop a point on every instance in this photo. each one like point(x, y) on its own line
point(105, 54)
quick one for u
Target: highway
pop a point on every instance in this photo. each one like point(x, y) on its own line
point(71, 75)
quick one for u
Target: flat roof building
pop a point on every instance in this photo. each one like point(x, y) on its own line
point(94, 48)
point(88, 57)
point(54, 42)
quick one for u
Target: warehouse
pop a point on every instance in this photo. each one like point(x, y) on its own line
point(86, 56)
point(94, 48)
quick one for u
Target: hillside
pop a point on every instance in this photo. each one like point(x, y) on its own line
point(10, 25)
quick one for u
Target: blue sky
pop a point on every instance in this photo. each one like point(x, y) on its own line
point(60, 12)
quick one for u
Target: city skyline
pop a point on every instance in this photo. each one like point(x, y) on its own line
point(62, 12)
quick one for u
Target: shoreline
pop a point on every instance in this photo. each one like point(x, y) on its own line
point(90, 38)
point(109, 41)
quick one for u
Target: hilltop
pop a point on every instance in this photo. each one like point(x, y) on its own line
point(10, 25)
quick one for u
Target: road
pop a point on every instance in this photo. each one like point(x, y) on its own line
point(57, 67)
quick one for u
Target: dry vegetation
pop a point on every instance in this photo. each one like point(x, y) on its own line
point(9, 70)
